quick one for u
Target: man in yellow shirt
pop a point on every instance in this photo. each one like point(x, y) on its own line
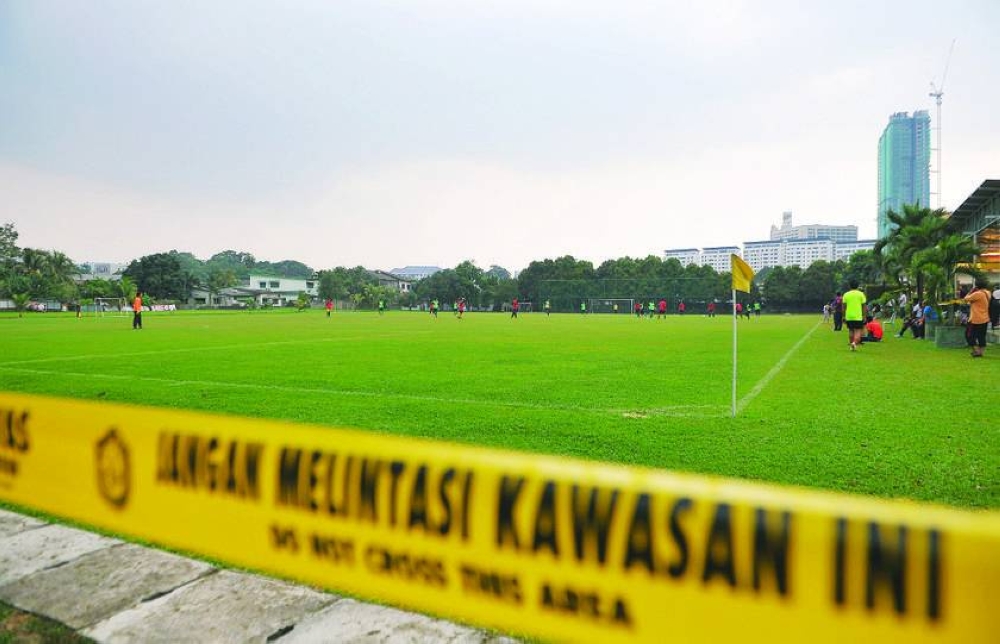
point(979, 317)
point(854, 314)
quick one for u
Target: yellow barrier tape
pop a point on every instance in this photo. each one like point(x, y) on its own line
point(552, 547)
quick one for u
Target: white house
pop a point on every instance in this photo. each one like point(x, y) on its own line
point(279, 291)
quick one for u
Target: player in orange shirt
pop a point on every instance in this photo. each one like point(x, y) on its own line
point(137, 311)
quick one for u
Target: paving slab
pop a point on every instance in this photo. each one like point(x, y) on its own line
point(102, 583)
point(11, 523)
point(354, 622)
point(30, 551)
point(222, 607)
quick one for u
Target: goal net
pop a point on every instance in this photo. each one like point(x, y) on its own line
point(110, 307)
point(522, 307)
point(610, 305)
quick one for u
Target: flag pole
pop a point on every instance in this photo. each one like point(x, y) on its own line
point(734, 353)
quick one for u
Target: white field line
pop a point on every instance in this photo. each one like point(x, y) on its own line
point(680, 411)
point(775, 370)
point(673, 411)
point(200, 349)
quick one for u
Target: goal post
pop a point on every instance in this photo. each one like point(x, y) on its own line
point(610, 305)
point(115, 307)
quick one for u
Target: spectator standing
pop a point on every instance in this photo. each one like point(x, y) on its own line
point(854, 313)
point(838, 312)
point(995, 308)
point(979, 318)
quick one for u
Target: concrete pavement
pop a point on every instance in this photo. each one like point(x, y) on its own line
point(112, 591)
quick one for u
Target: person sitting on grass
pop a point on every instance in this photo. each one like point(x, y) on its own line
point(873, 330)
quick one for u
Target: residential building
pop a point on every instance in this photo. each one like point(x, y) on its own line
point(788, 232)
point(843, 251)
point(904, 152)
point(718, 257)
point(102, 270)
point(278, 291)
point(401, 284)
point(761, 254)
point(683, 255)
point(804, 252)
point(414, 273)
point(801, 253)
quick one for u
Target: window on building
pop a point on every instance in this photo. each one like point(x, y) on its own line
point(309, 284)
point(275, 284)
point(263, 284)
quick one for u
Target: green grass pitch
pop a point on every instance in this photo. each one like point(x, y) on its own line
point(900, 419)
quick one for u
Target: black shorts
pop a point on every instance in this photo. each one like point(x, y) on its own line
point(855, 324)
point(977, 334)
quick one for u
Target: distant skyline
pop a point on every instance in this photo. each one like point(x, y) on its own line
point(429, 132)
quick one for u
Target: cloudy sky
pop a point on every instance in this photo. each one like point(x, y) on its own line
point(431, 131)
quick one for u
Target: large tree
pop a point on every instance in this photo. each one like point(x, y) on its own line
point(218, 279)
point(9, 251)
point(160, 275)
point(783, 286)
point(818, 283)
point(343, 283)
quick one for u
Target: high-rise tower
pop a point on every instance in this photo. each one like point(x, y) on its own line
point(904, 152)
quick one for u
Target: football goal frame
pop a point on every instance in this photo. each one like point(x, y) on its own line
point(607, 305)
point(114, 307)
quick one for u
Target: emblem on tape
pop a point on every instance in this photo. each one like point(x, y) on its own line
point(114, 474)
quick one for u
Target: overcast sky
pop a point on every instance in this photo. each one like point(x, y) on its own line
point(432, 131)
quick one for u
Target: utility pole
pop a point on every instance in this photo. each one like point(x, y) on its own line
point(937, 92)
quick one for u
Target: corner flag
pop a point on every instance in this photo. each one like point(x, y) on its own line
point(742, 274)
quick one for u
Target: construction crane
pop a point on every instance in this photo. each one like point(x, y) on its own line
point(937, 91)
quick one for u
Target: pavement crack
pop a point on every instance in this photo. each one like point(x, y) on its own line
point(281, 632)
point(162, 593)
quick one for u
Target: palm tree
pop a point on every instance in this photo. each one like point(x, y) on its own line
point(127, 288)
point(940, 263)
point(20, 302)
point(916, 229)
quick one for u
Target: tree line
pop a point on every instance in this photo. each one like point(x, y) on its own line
point(921, 255)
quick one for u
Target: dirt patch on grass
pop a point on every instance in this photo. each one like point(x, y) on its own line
point(19, 626)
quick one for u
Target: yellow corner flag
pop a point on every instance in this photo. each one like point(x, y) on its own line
point(742, 274)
